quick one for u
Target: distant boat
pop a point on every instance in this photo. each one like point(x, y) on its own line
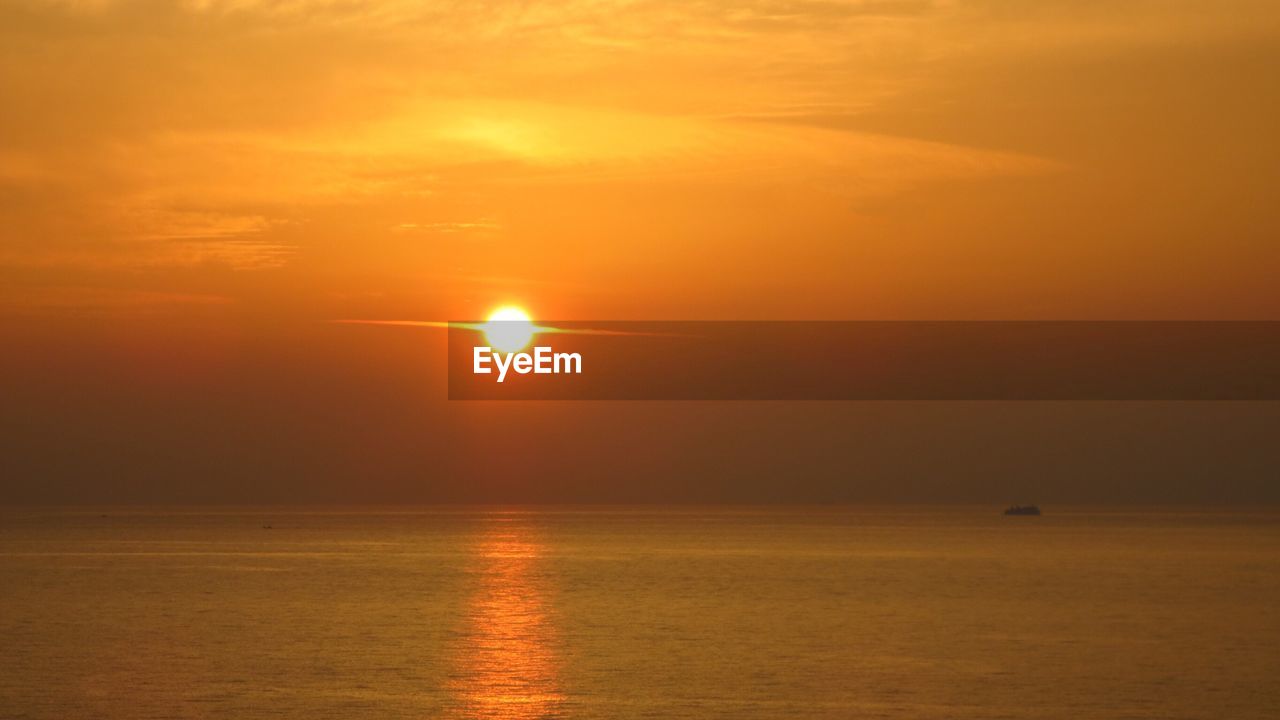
point(1022, 510)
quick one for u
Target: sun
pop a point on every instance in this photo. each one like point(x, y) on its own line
point(509, 329)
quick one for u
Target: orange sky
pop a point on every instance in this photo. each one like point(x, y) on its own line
point(614, 160)
point(192, 191)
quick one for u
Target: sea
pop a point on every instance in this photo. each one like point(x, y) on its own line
point(639, 612)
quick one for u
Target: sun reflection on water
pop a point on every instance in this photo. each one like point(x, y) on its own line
point(507, 666)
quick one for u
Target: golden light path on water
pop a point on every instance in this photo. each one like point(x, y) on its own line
point(506, 666)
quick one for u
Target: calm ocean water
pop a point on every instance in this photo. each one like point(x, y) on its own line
point(639, 613)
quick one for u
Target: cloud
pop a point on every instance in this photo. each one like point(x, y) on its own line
point(102, 300)
point(236, 253)
point(214, 132)
point(446, 227)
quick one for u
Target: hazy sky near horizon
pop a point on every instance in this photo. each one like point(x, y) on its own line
point(191, 191)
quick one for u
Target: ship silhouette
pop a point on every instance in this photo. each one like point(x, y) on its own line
point(1022, 510)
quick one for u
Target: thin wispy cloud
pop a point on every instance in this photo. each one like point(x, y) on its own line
point(477, 226)
point(330, 137)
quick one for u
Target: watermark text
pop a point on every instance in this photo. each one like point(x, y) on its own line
point(542, 361)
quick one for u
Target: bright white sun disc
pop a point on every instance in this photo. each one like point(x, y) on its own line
point(509, 329)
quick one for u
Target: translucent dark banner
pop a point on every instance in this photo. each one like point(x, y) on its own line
point(1202, 361)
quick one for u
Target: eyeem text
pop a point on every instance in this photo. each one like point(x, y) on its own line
point(541, 362)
